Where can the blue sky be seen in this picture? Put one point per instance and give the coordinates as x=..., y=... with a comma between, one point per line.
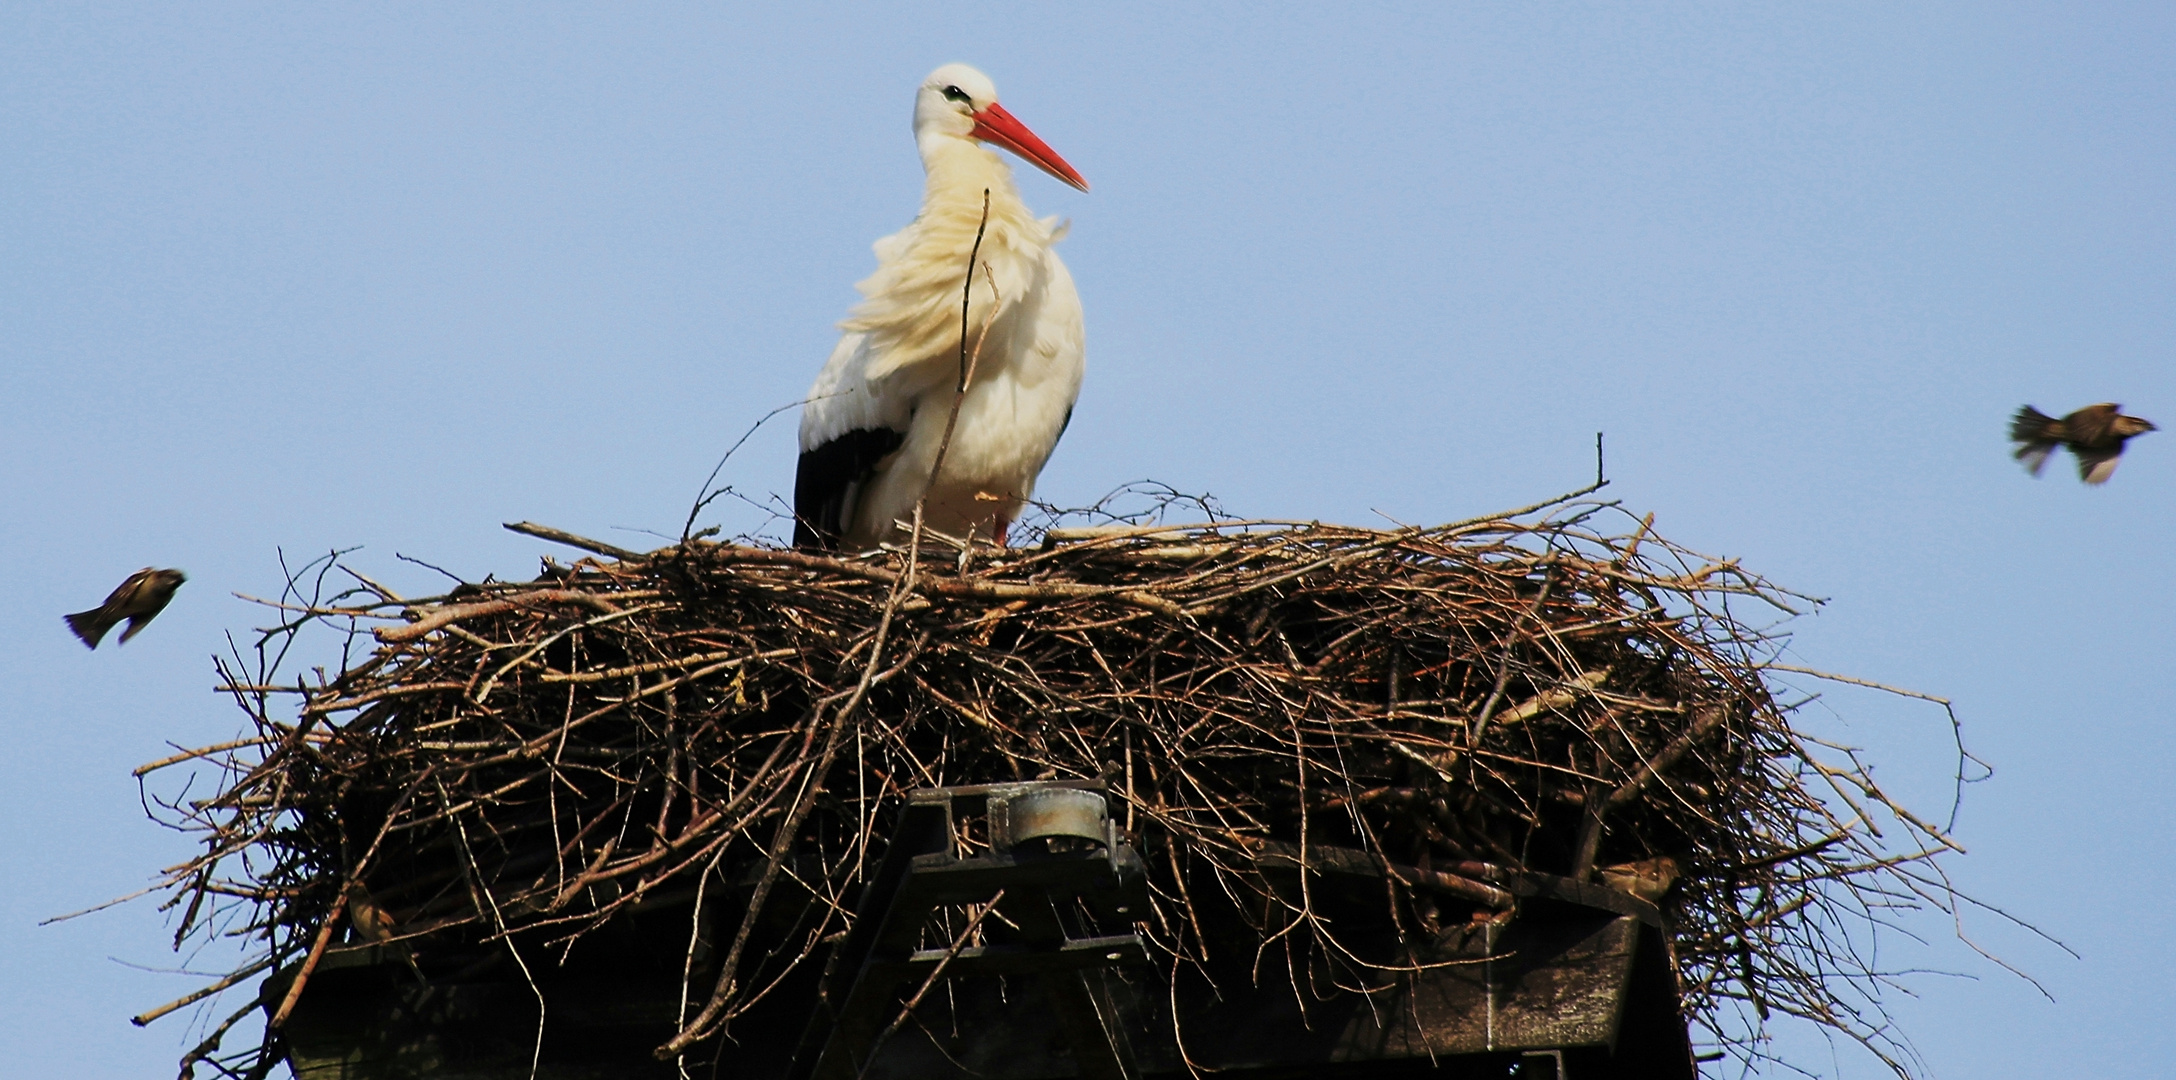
x=388, y=275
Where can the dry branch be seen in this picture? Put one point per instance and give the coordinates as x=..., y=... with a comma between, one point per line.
x=1524, y=692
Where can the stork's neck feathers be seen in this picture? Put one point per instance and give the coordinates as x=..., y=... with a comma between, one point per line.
x=912, y=306
x=959, y=168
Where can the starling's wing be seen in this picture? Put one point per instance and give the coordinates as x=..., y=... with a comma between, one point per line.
x=2035, y=455
x=91, y=626
x=2096, y=465
x=141, y=599
x=2094, y=425
x=126, y=597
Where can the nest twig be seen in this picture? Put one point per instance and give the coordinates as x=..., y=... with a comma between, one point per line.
x=532, y=761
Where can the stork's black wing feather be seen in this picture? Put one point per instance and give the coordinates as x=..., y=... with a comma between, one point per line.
x=828, y=478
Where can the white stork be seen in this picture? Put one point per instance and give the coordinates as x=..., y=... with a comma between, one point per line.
x=877, y=414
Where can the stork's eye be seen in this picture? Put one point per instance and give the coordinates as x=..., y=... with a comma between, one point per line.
x=954, y=93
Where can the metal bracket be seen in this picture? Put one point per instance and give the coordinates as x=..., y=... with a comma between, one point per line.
x=1053, y=850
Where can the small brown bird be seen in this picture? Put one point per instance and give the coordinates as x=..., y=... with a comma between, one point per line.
x=1648, y=879
x=139, y=599
x=370, y=921
x=2094, y=433
x=374, y=925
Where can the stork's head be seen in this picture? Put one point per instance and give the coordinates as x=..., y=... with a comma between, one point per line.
x=959, y=101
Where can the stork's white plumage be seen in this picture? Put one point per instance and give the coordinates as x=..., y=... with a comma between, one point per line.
x=876, y=416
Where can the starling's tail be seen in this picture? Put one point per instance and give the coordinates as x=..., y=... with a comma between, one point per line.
x=2036, y=434
x=89, y=626
x=2030, y=425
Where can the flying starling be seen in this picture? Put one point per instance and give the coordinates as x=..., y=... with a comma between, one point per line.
x=138, y=600
x=2094, y=433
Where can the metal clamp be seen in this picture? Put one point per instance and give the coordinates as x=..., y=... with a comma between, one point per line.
x=1053, y=849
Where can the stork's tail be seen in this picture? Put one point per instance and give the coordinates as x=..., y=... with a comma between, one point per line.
x=2037, y=434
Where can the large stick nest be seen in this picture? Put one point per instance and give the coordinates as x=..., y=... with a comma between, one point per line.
x=528, y=762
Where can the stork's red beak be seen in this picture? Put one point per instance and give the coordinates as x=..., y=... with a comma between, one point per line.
x=994, y=124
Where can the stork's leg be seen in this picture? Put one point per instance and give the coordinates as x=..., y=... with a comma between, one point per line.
x=999, y=538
